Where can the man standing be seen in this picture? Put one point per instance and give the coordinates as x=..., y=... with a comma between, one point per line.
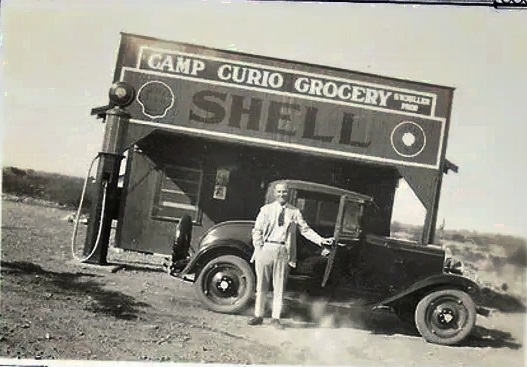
x=275, y=248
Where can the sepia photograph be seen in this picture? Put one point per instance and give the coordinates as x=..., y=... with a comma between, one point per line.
x=262, y=183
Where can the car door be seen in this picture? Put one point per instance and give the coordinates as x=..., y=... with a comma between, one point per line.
x=378, y=264
x=347, y=228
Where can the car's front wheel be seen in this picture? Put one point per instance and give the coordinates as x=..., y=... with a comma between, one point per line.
x=445, y=317
x=226, y=284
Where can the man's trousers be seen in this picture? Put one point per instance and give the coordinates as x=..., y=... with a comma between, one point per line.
x=271, y=263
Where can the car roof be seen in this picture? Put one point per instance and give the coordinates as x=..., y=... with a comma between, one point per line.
x=316, y=187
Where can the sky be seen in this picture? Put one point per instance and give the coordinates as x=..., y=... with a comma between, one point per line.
x=59, y=57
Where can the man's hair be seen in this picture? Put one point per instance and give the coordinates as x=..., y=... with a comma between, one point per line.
x=281, y=183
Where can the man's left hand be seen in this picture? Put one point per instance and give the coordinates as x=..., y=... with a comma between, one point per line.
x=328, y=241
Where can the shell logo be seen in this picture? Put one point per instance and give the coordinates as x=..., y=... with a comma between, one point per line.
x=408, y=139
x=156, y=99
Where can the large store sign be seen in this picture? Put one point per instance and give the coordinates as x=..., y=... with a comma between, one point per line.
x=286, y=81
x=275, y=103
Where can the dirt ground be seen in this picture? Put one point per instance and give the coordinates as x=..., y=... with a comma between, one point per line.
x=53, y=307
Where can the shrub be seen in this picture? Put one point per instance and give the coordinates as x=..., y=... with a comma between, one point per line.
x=518, y=257
x=62, y=189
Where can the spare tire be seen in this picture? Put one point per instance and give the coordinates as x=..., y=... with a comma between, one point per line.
x=183, y=236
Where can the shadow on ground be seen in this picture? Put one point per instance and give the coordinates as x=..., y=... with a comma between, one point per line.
x=483, y=337
x=81, y=285
x=385, y=323
x=500, y=301
x=361, y=318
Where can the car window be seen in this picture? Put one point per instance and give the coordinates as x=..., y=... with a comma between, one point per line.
x=318, y=209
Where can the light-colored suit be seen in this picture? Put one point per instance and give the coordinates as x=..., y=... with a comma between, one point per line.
x=272, y=259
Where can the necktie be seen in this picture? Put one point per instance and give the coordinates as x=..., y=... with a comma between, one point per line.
x=281, y=217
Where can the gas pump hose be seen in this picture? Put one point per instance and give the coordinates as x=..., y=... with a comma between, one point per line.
x=77, y=217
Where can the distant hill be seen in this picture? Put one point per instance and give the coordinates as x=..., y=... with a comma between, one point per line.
x=512, y=248
x=57, y=188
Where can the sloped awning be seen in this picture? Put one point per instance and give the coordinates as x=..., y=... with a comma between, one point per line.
x=449, y=166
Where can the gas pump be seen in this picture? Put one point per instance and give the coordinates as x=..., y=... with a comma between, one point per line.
x=104, y=195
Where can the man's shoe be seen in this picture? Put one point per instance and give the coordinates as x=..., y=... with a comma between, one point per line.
x=255, y=321
x=277, y=324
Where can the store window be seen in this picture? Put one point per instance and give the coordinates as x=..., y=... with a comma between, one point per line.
x=178, y=193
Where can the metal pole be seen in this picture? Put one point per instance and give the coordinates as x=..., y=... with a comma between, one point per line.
x=431, y=215
x=103, y=193
x=431, y=212
x=435, y=209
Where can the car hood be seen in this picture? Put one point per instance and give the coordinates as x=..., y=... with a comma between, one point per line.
x=406, y=244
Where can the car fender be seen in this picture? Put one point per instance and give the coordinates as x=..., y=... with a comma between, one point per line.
x=433, y=282
x=215, y=249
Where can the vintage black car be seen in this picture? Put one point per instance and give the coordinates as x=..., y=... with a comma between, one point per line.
x=416, y=281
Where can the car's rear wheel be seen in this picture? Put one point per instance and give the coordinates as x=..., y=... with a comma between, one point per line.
x=445, y=317
x=226, y=284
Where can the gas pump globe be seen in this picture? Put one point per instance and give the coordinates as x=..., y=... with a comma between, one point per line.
x=121, y=94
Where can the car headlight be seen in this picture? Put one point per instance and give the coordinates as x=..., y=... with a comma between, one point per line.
x=453, y=265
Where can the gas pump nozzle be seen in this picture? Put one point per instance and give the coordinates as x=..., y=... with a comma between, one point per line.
x=101, y=111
